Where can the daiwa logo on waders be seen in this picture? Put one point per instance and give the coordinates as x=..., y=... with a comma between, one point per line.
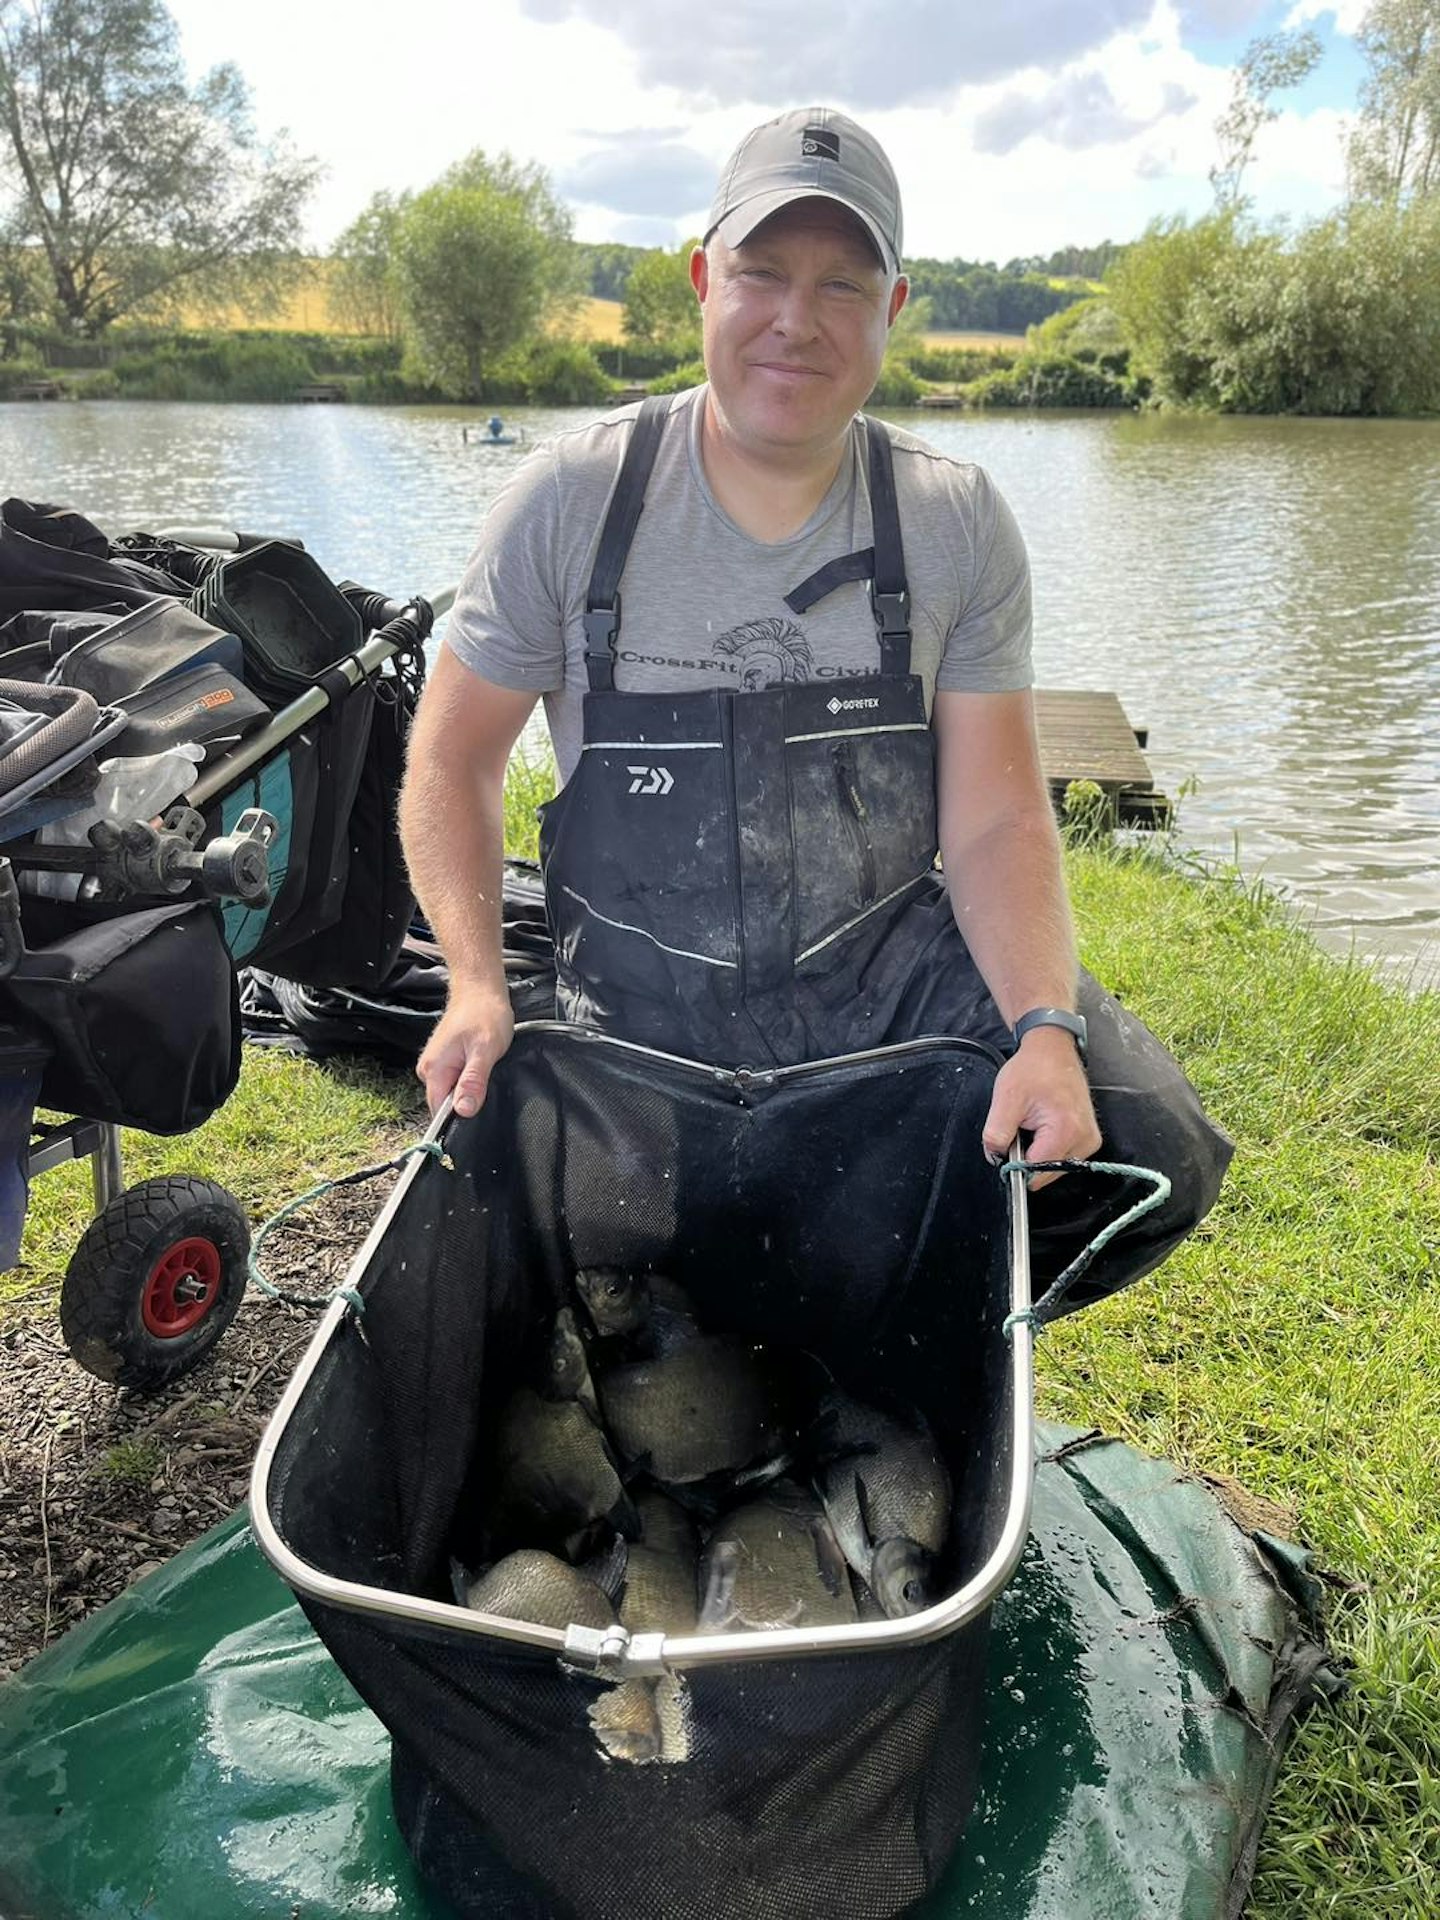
x=651, y=779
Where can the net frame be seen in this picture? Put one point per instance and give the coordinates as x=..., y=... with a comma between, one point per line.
x=618, y=1652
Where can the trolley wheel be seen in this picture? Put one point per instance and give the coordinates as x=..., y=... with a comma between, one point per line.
x=155, y=1281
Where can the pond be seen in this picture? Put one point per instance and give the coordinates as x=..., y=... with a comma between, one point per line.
x=1263, y=595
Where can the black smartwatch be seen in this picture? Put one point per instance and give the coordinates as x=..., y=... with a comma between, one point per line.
x=1073, y=1023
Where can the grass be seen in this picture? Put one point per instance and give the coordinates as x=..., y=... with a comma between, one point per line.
x=528, y=784
x=288, y=1124
x=1292, y=1344
x=132, y=1463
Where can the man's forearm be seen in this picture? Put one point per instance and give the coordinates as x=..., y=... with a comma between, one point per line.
x=452, y=830
x=1007, y=892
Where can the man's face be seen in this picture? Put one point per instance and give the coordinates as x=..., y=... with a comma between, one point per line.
x=795, y=322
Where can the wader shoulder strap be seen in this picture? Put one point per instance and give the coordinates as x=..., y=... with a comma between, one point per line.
x=883, y=565
x=602, y=601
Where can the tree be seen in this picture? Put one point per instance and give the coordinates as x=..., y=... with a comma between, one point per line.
x=660, y=305
x=606, y=266
x=482, y=259
x=1158, y=289
x=1342, y=317
x=131, y=182
x=363, y=292
x=1271, y=63
x=1394, y=151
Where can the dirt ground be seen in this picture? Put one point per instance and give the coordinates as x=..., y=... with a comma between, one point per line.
x=99, y=1486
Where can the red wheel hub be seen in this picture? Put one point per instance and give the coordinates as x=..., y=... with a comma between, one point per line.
x=184, y=1284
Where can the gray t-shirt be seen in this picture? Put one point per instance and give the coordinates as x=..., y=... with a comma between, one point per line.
x=703, y=604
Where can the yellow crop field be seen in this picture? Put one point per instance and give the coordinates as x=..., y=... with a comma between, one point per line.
x=305, y=310
x=599, y=320
x=976, y=342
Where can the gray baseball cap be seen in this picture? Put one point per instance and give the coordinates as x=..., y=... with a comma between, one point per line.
x=810, y=152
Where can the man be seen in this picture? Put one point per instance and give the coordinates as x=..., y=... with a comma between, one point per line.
x=819, y=668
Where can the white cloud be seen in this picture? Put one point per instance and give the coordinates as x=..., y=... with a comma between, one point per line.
x=391, y=109
x=1347, y=16
x=632, y=174
x=873, y=54
x=1076, y=112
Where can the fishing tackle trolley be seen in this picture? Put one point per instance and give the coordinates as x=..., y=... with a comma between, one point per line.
x=118, y=993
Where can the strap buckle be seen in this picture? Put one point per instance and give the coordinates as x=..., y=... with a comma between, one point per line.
x=601, y=626
x=892, y=612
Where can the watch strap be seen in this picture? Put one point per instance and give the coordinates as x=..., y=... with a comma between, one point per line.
x=1073, y=1023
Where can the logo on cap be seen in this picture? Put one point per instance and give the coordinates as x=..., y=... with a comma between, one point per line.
x=820, y=143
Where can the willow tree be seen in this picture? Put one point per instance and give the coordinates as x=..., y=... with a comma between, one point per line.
x=660, y=305
x=132, y=183
x=1394, y=151
x=364, y=290
x=1268, y=66
x=482, y=261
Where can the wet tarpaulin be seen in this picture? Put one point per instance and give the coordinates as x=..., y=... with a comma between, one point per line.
x=192, y=1749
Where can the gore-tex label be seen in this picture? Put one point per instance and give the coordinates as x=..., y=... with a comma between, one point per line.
x=837, y=705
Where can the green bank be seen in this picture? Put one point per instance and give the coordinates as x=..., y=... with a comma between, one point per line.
x=1292, y=1346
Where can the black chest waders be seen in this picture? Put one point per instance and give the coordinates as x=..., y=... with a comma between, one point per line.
x=747, y=878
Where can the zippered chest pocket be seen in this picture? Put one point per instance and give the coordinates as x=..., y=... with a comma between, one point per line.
x=862, y=819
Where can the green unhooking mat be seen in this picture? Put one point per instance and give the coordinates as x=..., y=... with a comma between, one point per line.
x=193, y=1751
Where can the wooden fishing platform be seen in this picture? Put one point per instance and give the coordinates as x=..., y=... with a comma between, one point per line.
x=1088, y=736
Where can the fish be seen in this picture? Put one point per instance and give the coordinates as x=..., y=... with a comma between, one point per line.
x=648, y=1313
x=553, y=1474
x=660, y=1569
x=710, y=1406
x=671, y=1321
x=567, y=1367
x=615, y=1299
x=541, y=1589
x=774, y=1562
x=537, y=1587
x=626, y=1720
x=887, y=1492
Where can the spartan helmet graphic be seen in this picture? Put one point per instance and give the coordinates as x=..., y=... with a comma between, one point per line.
x=768, y=652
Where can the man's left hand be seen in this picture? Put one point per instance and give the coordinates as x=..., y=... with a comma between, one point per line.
x=1042, y=1091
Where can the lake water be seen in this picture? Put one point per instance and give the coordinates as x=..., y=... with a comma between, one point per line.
x=1264, y=595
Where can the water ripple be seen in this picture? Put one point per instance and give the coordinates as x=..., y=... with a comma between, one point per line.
x=1262, y=594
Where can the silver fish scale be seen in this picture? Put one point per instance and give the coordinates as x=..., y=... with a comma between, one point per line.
x=706, y=1408
x=535, y=1586
x=906, y=1483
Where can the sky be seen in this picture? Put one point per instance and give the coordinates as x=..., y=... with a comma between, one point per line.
x=1016, y=126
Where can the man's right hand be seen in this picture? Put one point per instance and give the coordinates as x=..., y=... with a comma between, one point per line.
x=475, y=1029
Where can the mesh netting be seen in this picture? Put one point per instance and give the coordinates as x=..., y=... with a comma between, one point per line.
x=844, y=1209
